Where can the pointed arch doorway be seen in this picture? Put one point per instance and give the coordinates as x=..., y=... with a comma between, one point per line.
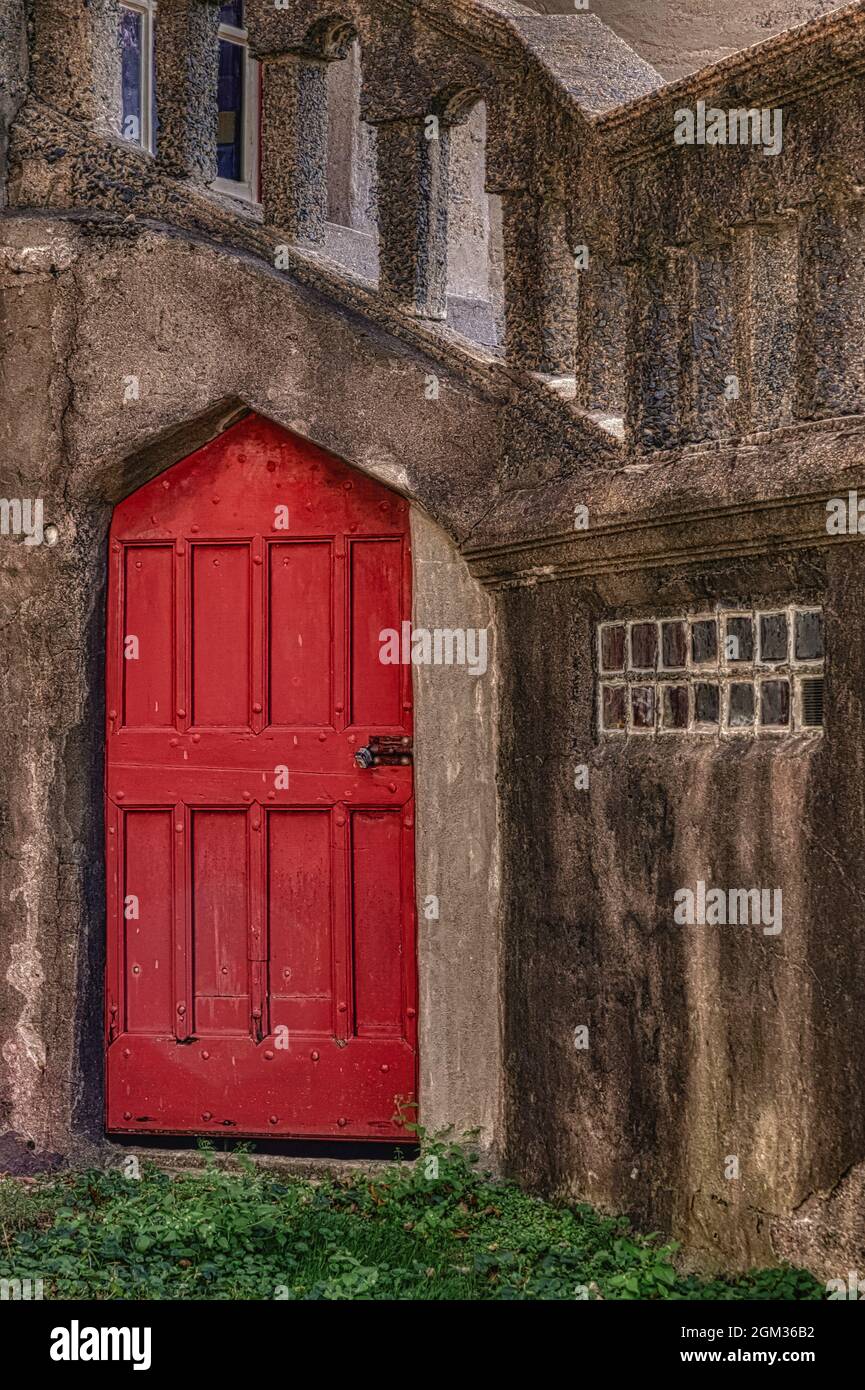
x=261, y=971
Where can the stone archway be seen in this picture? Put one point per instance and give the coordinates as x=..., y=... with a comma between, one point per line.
x=192, y=328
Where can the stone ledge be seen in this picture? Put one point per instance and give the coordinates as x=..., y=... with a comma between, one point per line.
x=729, y=502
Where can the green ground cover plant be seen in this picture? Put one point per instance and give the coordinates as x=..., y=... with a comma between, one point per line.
x=439, y=1228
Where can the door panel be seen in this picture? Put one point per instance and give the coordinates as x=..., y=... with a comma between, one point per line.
x=147, y=921
x=220, y=921
x=375, y=590
x=300, y=634
x=376, y=925
x=220, y=623
x=261, y=927
x=300, y=901
x=149, y=604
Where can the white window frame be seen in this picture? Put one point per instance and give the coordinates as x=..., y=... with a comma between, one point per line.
x=246, y=188
x=147, y=10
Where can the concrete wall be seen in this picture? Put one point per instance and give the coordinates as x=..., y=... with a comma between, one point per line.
x=704, y=1042
x=456, y=729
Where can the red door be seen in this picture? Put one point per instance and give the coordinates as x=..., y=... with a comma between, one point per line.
x=261, y=921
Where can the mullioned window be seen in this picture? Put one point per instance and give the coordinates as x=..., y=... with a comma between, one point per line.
x=728, y=672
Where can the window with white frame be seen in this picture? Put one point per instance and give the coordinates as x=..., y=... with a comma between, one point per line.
x=237, y=129
x=138, y=118
x=237, y=93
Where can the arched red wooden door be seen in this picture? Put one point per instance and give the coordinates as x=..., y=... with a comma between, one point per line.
x=261, y=921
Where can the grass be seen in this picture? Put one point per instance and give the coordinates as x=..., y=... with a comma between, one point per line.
x=438, y=1229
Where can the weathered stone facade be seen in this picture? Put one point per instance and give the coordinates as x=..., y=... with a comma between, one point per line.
x=694, y=393
x=681, y=36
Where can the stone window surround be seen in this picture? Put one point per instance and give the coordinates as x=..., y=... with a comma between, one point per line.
x=247, y=189
x=721, y=671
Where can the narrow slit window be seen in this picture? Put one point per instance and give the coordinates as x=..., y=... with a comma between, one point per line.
x=131, y=76
x=229, y=138
x=137, y=92
x=237, y=101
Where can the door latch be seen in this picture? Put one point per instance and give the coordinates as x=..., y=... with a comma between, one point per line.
x=385, y=750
